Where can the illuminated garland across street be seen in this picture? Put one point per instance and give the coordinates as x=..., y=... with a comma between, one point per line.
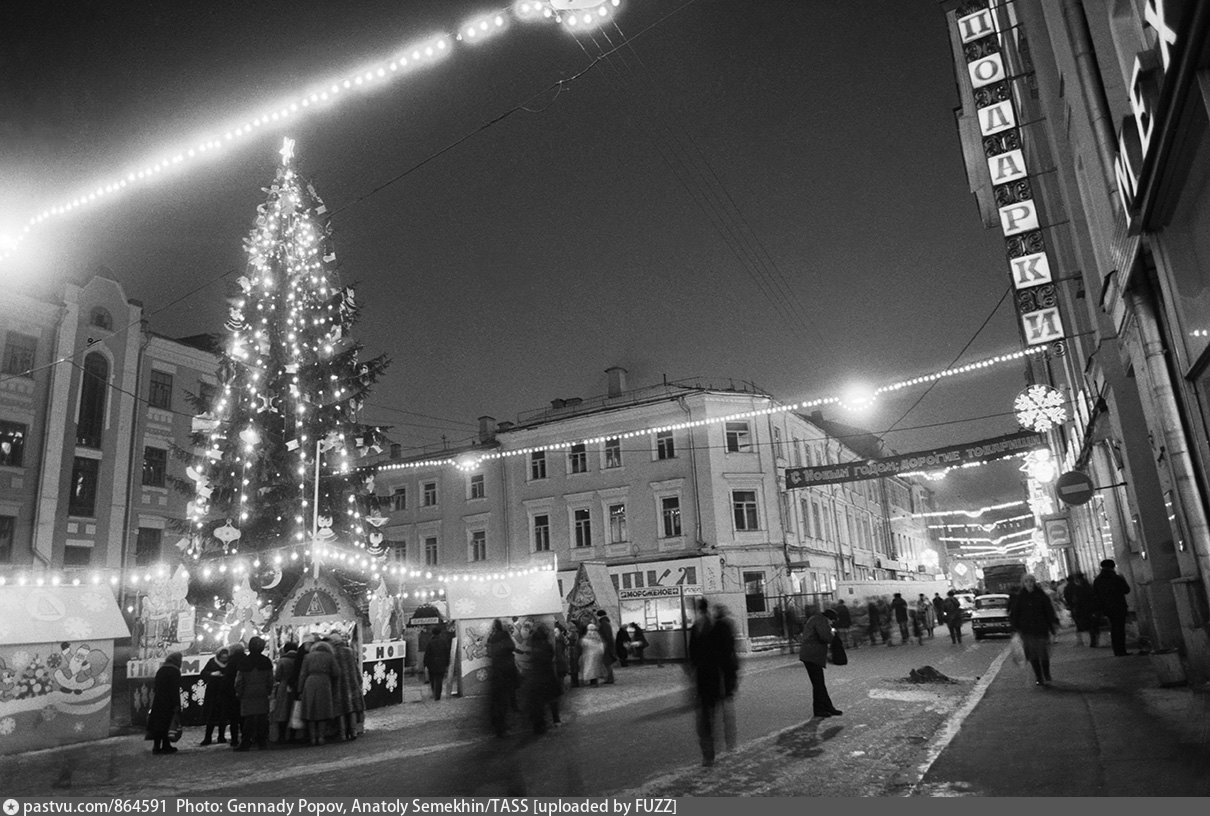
x=473, y=462
x=573, y=15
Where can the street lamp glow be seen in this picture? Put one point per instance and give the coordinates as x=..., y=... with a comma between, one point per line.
x=858, y=398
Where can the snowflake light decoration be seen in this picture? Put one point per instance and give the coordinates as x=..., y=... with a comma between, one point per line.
x=77, y=628
x=1039, y=408
x=365, y=682
x=392, y=680
x=7, y=726
x=380, y=671
x=1039, y=466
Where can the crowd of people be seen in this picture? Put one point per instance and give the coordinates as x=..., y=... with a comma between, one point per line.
x=310, y=695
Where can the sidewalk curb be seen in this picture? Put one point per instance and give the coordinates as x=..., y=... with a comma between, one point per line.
x=953, y=723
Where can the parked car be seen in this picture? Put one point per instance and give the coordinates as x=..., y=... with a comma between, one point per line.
x=966, y=600
x=990, y=616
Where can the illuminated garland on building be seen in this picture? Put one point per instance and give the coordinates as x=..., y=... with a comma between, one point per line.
x=469, y=462
x=574, y=15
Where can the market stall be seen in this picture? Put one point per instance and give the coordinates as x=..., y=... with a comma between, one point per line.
x=56, y=664
x=522, y=601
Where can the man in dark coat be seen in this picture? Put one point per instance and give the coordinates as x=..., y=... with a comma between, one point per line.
x=844, y=621
x=254, y=687
x=817, y=636
x=1111, y=590
x=938, y=607
x=953, y=616
x=165, y=704
x=900, y=608
x=605, y=628
x=709, y=661
x=1082, y=603
x=437, y=659
x=230, y=700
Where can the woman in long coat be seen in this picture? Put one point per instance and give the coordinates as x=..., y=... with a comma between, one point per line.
x=317, y=682
x=592, y=656
x=1033, y=617
x=214, y=706
x=283, y=690
x=350, y=700
x=229, y=700
x=165, y=704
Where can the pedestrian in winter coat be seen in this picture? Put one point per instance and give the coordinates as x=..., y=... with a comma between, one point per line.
x=817, y=637
x=541, y=686
x=254, y=687
x=592, y=656
x=638, y=642
x=214, y=706
x=503, y=679
x=715, y=674
x=1033, y=617
x=228, y=697
x=437, y=659
x=607, y=640
x=953, y=616
x=900, y=608
x=844, y=621
x=938, y=608
x=1111, y=590
x=349, y=699
x=928, y=618
x=1082, y=603
x=873, y=622
x=317, y=682
x=165, y=704
x=562, y=657
x=574, y=635
x=621, y=646
x=284, y=691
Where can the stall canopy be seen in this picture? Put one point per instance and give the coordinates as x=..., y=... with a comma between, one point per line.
x=427, y=615
x=593, y=589
x=56, y=664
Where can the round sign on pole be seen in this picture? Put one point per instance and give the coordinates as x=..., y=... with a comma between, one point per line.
x=1074, y=487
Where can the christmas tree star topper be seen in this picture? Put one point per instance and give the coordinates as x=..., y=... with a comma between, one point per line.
x=287, y=150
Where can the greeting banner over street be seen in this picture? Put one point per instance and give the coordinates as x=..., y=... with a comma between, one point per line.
x=952, y=456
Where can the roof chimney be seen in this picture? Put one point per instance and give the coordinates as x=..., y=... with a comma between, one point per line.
x=487, y=430
x=617, y=380
x=557, y=403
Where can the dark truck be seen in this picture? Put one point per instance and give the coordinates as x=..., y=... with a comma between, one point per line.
x=1002, y=578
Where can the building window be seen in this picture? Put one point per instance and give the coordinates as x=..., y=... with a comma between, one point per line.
x=155, y=467
x=100, y=318
x=805, y=505
x=665, y=448
x=577, y=459
x=19, y=353
x=582, y=523
x=743, y=502
x=396, y=450
x=817, y=524
x=400, y=549
x=617, y=523
x=399, y=499
x=12, y=444
x=754, y=591
x=430, y=551
x=93, y=383
x=479, y=545
x=82, y=500
x=430, y=494
x=74, y=556
x=477, y=491
x=778, y=451
x=160, y=395
x=147, y=546
x=738, y=437
x=613, y=453
x=542, y=533
x=8, y=529
x=537, y=465
x=670, y=513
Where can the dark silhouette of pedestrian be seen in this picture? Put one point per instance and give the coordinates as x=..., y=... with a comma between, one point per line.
x=254, y=688
x=541, y=687
x=214, y=704
x=900, y=608
x=1033, y=617
x=605, y=628
x=844, y=621
x=621, y=646
x=953, y=616
x=574, y=635
x=638, y=642
x=817, y=634
x=229, y=699
x=503, y=676
x=437, y=659
x=165, y=704
x=1082, y=603
x=715, y=674
x=1111, y=590
x=938, y=608
x=874, y=621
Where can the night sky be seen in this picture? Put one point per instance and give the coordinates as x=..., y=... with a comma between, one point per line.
x=769, y=191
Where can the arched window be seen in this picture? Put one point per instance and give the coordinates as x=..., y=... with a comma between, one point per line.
x=101, y=318
x=91, y=424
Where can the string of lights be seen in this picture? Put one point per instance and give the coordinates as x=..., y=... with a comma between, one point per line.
x=407, y=59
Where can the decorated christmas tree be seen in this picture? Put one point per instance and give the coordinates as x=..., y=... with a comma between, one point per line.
x=280, y=438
